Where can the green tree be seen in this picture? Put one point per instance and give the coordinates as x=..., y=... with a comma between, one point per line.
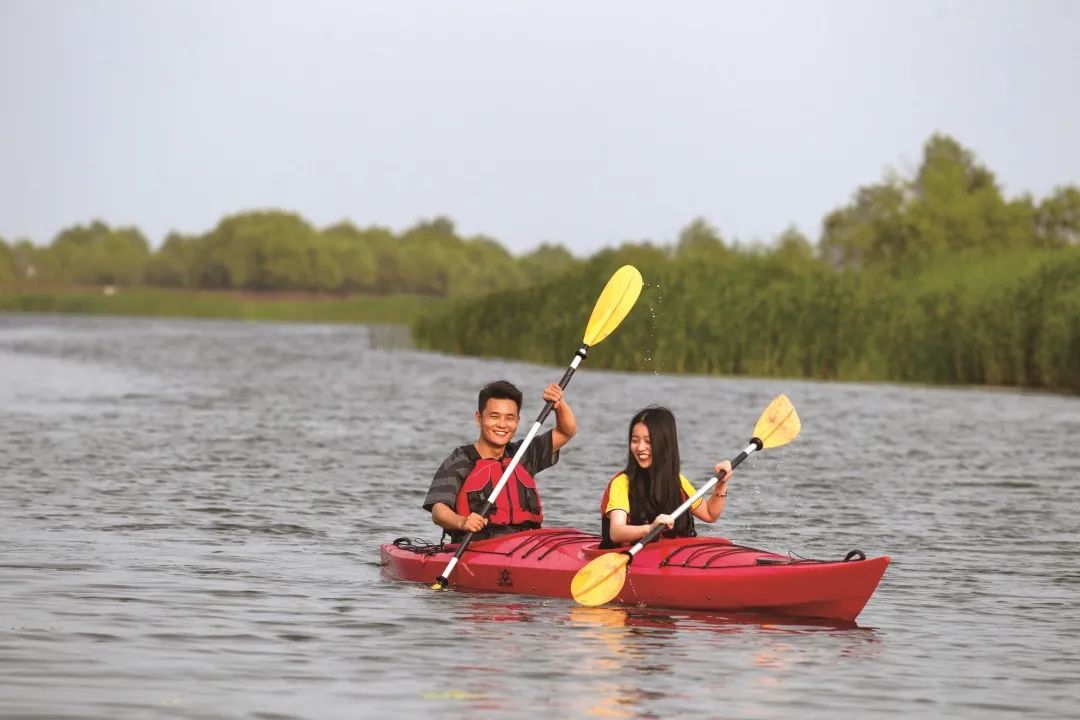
x=173, y=265
x=431, y=255
x=9, y=271
x=268, y=250
x=97, y=254
x=952, y=206
x=872, y=232
x=356, y=254
x=485, y=267
x=1058, y=218
x=27, y=257
x=643, y=254
x=699, y=240
x=794, y=248
x=545, y=263
x=959, y=208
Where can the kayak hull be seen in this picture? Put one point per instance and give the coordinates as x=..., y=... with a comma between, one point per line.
x=702, y=573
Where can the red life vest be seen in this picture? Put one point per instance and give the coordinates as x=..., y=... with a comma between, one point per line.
x=518, y=503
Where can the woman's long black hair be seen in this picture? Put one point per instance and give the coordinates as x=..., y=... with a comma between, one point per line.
x=657, y=489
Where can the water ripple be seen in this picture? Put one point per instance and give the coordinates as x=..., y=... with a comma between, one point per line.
x=192, y=513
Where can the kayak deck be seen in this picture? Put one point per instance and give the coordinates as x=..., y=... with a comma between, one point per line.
x=701, y=573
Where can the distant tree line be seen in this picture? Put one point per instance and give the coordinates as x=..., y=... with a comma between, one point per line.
x=933, y=278
x=936, y=278
x=278, y=251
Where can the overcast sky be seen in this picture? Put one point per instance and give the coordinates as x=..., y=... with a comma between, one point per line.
x=584, y=123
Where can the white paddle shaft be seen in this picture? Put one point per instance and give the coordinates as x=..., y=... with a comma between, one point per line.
x=752, y=447
x=443, y=579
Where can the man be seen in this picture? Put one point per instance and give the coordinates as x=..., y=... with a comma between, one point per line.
x=467, y=476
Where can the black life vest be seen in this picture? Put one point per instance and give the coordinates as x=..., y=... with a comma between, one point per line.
x=605, y=521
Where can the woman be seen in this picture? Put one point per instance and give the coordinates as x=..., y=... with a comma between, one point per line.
x=642, y=496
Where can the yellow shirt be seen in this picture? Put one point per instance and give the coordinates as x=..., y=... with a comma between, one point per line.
x=619, y=494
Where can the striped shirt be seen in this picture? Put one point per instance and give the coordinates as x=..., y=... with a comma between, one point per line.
x=456, y=467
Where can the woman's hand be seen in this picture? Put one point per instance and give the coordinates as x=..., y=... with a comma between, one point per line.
x=723, y=471
x=662, y=519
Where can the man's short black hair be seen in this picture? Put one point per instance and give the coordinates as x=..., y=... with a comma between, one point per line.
x=501, y=390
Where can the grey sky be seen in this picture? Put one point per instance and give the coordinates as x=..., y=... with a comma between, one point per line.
x=585, y=123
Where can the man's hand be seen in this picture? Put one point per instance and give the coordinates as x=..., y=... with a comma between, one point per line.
x=473, y=523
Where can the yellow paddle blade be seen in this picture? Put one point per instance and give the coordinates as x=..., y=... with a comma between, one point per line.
x=601, y=580
x=619, y=295
x=779, y=424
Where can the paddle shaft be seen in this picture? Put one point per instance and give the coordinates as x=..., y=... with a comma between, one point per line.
x=753, y=447
x=580, y=355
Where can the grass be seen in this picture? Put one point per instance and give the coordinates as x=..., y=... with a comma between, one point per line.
x=298, y=307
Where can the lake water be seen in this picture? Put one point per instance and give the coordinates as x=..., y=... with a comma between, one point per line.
x=191, y=512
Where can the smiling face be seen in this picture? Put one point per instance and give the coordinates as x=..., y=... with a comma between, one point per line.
x=641, y=445
x=654, y=444
x=498, y=422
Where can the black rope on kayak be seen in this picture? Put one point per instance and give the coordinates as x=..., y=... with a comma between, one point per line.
x=567, y=540
x=418, y=546
x=722, y=554
x=554, y=540
x=534, y=538
x=704, y=554
x=702, y=548
x=713, y=553
x=532, y=543
x=694, y=551
x=797, y=559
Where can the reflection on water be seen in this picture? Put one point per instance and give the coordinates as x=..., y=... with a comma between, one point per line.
x=190, y=515
x=614, y=650
x=620, y=643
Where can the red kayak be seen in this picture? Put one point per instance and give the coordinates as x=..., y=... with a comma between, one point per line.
x=701, y=573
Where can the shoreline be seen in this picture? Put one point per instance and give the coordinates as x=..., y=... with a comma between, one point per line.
x=222, y=304
x=374, y=310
